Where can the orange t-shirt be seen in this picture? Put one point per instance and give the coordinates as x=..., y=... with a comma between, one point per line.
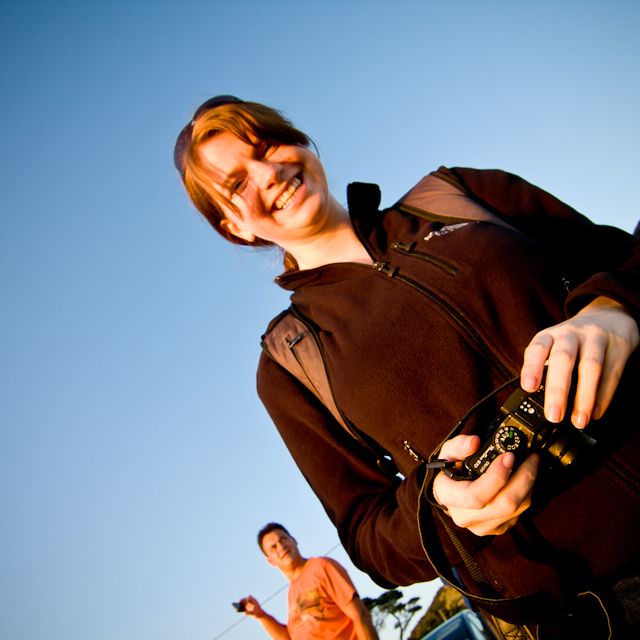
x=316, y=600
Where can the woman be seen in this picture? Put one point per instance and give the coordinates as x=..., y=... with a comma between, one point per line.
x=419, y=320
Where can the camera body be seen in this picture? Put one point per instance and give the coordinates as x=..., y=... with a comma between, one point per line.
x=520, y=427
x=239, y=607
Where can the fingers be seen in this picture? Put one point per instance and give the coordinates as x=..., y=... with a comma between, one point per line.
x=535, y=358
x=593, y=388
x=459, y=448
x=561, y=361
x=600, y=338
x=476, y=494
x=499, y=526
x=559, y=350
x=609, y=379
x=492, y=503
x=611, y=369
x=598, y=341
x=251, y=606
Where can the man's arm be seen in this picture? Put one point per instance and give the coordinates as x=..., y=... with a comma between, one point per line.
x=274, y=628
x=361, y=618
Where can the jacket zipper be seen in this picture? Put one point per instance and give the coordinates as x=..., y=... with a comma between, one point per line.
x=412, y=452
x=623, y=473
x=392, y=272
x=408, y=250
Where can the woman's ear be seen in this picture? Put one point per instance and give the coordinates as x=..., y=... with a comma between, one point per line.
x=236, y=230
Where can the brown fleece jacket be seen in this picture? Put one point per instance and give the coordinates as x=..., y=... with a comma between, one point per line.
x=412, y=342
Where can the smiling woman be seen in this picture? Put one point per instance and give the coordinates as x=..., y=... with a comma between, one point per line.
x=252, y=175
x=277, y=193
x=247, y=122
x=421, y=311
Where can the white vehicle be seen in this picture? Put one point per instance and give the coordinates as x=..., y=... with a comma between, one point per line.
x=465, y=625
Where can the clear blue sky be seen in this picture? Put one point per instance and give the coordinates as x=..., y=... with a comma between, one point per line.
x=136, y=462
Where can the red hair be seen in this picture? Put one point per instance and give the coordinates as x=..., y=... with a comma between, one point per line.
x=251, y=122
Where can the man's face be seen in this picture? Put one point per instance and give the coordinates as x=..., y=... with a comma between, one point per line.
x=280, y=548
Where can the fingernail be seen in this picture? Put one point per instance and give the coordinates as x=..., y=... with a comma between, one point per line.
x=580, y=420
x=471, y=442
x=508, y=460
x=597, y=413
x=553, y=413
x=529, y=383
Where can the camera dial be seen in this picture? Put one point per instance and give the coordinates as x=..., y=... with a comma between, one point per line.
x=520, y=428
x=508, y=439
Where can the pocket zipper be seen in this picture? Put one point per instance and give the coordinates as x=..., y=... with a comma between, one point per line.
x=407, y=249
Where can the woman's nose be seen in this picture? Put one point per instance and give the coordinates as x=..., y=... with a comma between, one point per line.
x=266, y=174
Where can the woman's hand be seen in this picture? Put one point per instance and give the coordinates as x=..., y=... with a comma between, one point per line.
x=493, y=503
x=600, y=338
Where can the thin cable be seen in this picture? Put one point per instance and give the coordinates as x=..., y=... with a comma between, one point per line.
x=271, y=597
x=233, y=626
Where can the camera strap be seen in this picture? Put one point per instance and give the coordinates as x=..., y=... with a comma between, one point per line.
x=463, y=421
x=519, y=610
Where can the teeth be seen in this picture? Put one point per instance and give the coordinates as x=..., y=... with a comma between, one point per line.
x=285, y=198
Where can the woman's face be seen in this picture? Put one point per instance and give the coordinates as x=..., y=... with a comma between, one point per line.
x=280, y=192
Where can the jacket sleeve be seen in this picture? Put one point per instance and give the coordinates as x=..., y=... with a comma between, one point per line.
x=375, y=513
x=605, y=259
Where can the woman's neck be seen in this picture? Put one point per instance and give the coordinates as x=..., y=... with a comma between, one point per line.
x=338, y=242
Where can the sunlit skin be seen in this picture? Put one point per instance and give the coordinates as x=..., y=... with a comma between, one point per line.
x=600, y=339
x=281, y=551
x=312, y=225
x=316, y=230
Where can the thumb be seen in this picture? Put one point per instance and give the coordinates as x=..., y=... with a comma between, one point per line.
x=460, y=447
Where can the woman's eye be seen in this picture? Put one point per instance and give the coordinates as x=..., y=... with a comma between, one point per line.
x=268, y=149
x=238, y=186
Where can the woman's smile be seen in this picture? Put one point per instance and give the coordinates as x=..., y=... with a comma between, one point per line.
x=277, y=193
x=285, y=199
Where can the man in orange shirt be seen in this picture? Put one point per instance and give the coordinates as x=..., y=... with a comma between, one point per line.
x=323, y=603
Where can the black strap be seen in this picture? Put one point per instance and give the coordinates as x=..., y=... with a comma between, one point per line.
x=527, y=609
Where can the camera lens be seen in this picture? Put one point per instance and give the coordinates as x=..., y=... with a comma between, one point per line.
x=567, y=444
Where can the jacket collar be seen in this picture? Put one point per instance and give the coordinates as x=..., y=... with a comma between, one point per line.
x=363, y=200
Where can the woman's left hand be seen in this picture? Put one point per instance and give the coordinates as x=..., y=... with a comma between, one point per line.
x=491, y=504
x=600, y=338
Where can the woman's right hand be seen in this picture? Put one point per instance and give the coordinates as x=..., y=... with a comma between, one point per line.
x=491, y=504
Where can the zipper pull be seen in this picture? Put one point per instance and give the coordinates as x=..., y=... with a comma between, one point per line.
x=294, y=342
x=409, y=449
x=382, y=267
x=399, y=246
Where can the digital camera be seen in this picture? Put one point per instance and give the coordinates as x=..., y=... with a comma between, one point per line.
x=520, y=427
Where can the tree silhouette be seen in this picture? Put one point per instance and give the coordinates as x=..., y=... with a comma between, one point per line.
x=389, y=603
x=445, y=605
